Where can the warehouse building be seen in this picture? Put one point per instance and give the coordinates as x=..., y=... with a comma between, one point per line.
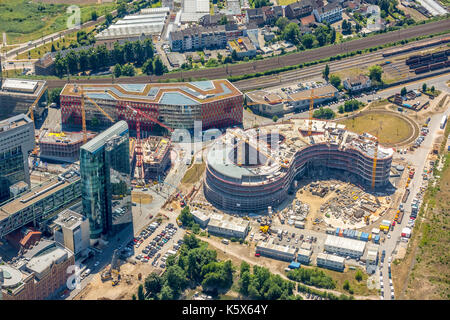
x=227, y=226
x=217, y=103
x=304, y=256
x=345, y=246
x=330, y=261
x=135, y=27
x=275, y=251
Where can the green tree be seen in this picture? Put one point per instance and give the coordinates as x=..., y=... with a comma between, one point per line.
x=158, y=66
x=176, y=278
x=53, y=96
x=121, y=9
x=223, y=20
x=108, y=19
x=432, y=89
x=281, y=23
x=308, y=40
x=244, y=283
x=141, y=295
x=404, y=91
x=148, y=49
x=195, y=228
x=324, y=113
x=292, y=33
x=186, y=218
x=375, y=73
x=94, y=16
x=166, y=293
x=147, y=67
x=335, y=80
x=326, y=72
x=346, y=285
x=275, y=118
x=133, y=297
x=128, y=70
x=117, y=70
x=234, y=55
x=341, y=109
x=153, y=284
x=359, y=275
x=244, y=267
x=424, y=87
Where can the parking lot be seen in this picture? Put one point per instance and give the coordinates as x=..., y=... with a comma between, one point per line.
x=166, y=242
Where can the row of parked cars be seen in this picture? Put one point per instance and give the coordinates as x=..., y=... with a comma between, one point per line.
x=156, y=245
x=145, y=234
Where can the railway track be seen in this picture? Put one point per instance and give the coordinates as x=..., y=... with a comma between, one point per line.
x=281, y=61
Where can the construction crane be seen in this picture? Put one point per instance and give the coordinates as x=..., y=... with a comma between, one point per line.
x=138, y=148
x=31, y=113
x=311, y=99
x=83, y=117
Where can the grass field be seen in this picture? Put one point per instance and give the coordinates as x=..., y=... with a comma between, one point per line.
x=194, y=173
x=25, y=20
x=389, y=129
x=285, y=2
x=359, y=287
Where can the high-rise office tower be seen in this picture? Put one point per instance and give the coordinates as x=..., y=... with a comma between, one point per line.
x=16, y=141
x=105, y=181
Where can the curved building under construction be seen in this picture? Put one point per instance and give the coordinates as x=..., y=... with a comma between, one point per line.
x=253, y=169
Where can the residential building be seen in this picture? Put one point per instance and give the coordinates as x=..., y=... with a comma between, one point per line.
x=40, y=203
x=358, y=83
x=330, y=261
x=243, y=47
x=345, y=246
x=211, y=20
x=105, y=177
x=255, y=16
x=71, y=230
x=198, y=38
x=272, y=13
x=330, y=13
x=300, y=9
x=233, y=31
x=227, y=226
x=38, y=274
x=16, y=142
x=275, y=251
x=308, y=20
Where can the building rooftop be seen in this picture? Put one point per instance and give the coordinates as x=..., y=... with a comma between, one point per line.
x=69, y=219
x=319, y=91
x=64, y=137
x=228, y=222
x=14, y=122
x=32, y=88
x=275, y=247
x=92, y=146
x=185, y=93
x=11, y=277
x=154, y=148
x=38, y=193
x=345, y=243
x=331, y=257
x=264, y=97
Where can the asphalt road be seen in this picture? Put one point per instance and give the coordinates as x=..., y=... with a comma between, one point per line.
x=277, y=62
x=418, y=159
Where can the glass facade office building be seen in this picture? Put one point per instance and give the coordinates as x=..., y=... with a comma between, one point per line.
x=105, y=181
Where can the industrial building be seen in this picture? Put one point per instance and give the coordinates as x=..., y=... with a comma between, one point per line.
x=330, y=261
x=16, y=142
x=38, y=273
x=275, y=251
x=135, y=27
x=227, y=226
x=217, y=103
x=40, y=203
x=18, y=95
x=62, y=146
x=300, y=101
x=155, y=156
x=345, y=246
x=71, y=230
x=304, y=256
x=105, y=177
x=253, y=169
x=193, y=10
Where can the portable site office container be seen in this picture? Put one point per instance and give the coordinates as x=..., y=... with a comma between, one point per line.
x=337, y=231
x=376, y=239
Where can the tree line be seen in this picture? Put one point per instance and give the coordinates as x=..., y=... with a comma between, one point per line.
x=195, y=265
x=139, y=53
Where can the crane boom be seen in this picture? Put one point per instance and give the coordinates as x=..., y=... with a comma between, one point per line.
x=135, y=111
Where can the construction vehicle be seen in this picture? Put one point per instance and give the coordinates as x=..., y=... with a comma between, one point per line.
x=112, y=273
x=264, y=228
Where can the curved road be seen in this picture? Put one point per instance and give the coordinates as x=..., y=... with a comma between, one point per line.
x=277, y=62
